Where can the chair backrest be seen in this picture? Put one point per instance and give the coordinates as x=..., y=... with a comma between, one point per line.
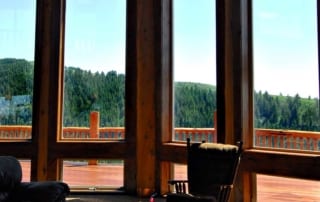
x=211, y=165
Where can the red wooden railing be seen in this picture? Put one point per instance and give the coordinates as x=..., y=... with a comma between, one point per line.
x=269, y=138
x=15, y=132
x=287, y=139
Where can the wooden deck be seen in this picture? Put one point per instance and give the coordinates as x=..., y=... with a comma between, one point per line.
x=270, y=188
x=278, y=189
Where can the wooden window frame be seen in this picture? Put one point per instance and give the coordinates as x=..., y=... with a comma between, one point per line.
x=235, y=106
x=236, y=52
x=148, y=145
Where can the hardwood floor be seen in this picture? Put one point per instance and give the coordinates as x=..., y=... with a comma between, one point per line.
x=276, y=189
x=269, y=189
x=108, y=198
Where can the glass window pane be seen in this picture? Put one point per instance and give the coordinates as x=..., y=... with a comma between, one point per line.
x=17, y=42
x=286, y=74
x=194, y=63
x=97, y=174
x=94, y=76
x=26, y=169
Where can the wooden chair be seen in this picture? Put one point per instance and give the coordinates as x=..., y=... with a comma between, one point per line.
x=212, y=168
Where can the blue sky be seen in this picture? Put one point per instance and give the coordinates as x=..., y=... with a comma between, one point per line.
x=17, y=24
x=285, y=46
x=285, y=40
x=95, y=34
x=194, y=41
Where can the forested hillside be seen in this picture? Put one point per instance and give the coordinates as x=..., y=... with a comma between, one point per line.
x=16, y=77
x=86, y=91
x=194, y=103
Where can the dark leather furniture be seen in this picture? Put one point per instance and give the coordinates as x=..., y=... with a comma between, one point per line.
x=13, y=190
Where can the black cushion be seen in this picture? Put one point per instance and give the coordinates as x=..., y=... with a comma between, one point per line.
x=10, y=176
x=4, y=196
x=10, y=173
x=48, y=191
x=13, y=190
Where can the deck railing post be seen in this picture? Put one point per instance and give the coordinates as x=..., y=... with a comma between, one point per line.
x=94, y=124
x=94, y=131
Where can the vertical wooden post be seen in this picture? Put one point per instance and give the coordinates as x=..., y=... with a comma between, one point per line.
x=48, y=87
x=94, y=124
x=94, y=131
x=140, y=163
x=234, y=79
x=148, y=94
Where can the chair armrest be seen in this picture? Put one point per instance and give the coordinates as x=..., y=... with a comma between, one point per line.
x=180, y=186
x=223, y=191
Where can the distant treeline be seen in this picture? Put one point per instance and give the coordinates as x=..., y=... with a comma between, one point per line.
x=286, y=112
x=194, y=103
